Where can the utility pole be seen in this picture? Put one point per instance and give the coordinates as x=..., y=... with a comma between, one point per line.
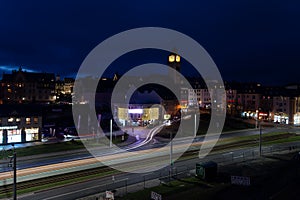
x=256, y=122
x=260, y=150
x=195, y=126
x=110, y=135
x=171, y=154
x=15, y=174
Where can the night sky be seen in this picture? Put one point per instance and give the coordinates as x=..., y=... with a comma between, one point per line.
x=249, y=40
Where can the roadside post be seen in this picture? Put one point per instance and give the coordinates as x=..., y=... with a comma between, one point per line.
x=13, y=164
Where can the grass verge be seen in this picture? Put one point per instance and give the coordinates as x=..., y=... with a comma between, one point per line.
x=188, y=188
x=47, y=148
x=55, y=147
x=56, y=184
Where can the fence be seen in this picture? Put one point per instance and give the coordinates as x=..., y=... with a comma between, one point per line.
x=184, y=169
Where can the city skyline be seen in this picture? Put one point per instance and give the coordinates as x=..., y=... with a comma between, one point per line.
x=259, y=38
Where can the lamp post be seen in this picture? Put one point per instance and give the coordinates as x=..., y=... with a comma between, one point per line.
x=256, y=124
x=13, y=163
x=171, y=154
x=260, y=140
x=15, y=175
x=110, y=134
x=195, y=125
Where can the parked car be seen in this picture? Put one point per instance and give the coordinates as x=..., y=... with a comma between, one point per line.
x=70, y=131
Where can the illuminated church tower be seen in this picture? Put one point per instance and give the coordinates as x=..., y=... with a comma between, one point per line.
x=174, y=62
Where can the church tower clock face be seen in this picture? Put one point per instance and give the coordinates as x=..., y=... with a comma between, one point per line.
x=174, y=62
x=177, y=58
x=171, y=58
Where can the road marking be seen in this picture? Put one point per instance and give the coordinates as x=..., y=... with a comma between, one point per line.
x=61, y=195
x=241, y=156
x=229, y=153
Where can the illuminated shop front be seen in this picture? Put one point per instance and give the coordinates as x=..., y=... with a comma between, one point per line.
x=143, y=109
x=10, y=134
x=249, y=114
x=297, y=119
x=256, y=115
x=19, y=124
x=263, y=116
x=138, y=115
x=32, y=134
x=281, y=118
x=16, y=134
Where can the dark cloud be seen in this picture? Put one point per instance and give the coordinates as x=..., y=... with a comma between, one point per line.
x=247, y=39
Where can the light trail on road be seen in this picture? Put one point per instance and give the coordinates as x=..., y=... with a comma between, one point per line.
x=149, y=137
x=116, y=158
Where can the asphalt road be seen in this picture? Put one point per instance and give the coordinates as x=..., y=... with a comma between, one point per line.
x=95, y=186
x=120, y=181
x=46, y=160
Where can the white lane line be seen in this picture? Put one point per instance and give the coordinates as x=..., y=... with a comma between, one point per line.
x=61, y=195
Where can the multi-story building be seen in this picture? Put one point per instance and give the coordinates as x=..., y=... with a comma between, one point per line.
x=246, y=99
x=203, y=98
x=277, y=104
x=68, y=85
x=296, y=111
x=250, y=101
x=21, y=86
x=64, y=90
x=193, y=97
x=266, y=108
x=231, y=99
x=59, y=86
x=281, y=109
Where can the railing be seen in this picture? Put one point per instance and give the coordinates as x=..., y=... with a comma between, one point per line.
x=181, y=170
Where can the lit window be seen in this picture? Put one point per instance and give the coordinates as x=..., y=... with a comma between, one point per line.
x=9, y=90
x=35, y=120
x=11, y=119
x=27, y=120
x=18, y=119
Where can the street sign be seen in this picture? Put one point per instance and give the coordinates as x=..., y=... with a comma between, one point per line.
x=109, y=195
x=156, y=196
x=240, y=180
